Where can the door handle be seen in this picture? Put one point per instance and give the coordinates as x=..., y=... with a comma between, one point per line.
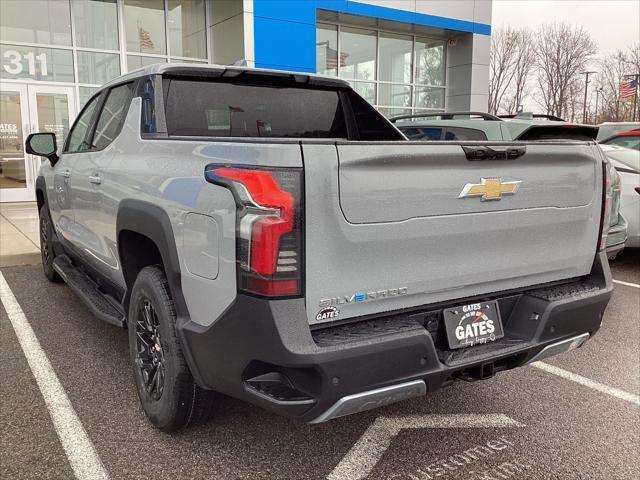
x=95, y=179
x=482, y=152
x=65, y=174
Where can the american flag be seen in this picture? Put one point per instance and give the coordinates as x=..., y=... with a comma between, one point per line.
x=144, y=38
x=628, y=89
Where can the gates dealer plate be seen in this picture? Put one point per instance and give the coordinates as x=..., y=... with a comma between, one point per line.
x=473, y=324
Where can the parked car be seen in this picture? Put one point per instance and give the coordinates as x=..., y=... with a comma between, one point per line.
x=477, y=126
x=627, y=139
x=448, y=126
x=627, y=164
x=609, y=129
x=271, y=236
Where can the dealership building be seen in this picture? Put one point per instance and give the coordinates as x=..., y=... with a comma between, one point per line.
x=403, y=56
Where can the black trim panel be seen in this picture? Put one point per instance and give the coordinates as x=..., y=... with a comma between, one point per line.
x=257, y=337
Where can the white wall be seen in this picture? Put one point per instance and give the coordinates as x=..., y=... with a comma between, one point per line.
x=469, y=10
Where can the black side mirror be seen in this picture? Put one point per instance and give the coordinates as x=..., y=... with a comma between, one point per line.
x=44, y=145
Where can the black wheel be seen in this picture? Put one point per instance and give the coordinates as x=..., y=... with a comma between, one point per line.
x=169, y=396
x=46, y=245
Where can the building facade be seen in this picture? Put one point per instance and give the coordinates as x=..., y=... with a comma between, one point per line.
x=403, y=56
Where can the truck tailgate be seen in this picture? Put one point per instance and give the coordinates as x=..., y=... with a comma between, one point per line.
x=389, y=225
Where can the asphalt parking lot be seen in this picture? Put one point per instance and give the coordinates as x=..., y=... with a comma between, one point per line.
x=529, y=423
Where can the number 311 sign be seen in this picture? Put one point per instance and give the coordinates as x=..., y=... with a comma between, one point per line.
x=13, y=63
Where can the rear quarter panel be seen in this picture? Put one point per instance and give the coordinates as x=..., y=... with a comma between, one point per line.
x=170, y=174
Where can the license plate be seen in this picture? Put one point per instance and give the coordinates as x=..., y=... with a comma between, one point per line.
x=473, y=324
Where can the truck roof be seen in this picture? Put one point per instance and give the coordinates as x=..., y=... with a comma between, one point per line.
x=215, y=71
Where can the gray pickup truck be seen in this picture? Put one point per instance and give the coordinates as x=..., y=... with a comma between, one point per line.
x=271, y=236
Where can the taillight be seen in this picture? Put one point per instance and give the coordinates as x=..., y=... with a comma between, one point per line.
x=607, y=202
x=268, y=227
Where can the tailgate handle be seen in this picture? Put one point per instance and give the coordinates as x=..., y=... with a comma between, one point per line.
x=482, y=152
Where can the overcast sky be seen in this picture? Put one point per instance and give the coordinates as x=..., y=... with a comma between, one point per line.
x=613, y=24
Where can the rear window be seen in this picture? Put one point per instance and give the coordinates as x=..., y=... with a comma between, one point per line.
x=461, y=134
x=451, y=134
x=422, y=133
x=219, y=109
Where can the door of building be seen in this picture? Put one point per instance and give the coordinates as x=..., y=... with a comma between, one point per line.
x=25, y=109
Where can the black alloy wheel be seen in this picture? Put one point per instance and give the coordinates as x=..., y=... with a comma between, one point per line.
x=149, y=358
x=168, y=393
x=46, y=245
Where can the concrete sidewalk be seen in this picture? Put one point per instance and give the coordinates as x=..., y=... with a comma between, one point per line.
x=19, y=236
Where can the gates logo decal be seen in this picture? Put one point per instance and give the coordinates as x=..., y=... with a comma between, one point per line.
x=327, y=314
x=474, y=323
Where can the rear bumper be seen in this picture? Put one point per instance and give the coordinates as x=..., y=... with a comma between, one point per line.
x=264, y=352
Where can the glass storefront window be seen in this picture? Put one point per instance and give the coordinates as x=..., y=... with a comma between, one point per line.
x=97, y=68
x=394, y=95
x=358, y=51
x=327, y=50
x=395, y=58
x=53, y=114
x=136, y=61
x=398, y=73
x=12, y=174
x=96, y=23
x=429, y=61
x=36, y=63
x=187, y=29
x=429, y=97
x=85, y=93
x=35, y=21
x=367, y=90
x=394, y=112
x=144, y=26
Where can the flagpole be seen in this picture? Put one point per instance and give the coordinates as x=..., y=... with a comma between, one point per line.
x=636, y=77
x=635, y=98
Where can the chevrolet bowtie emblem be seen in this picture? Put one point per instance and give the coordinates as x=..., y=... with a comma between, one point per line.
x=490, y=189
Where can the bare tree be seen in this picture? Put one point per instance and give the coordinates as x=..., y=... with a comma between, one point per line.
x=525, y=59
x=612, y=70
x=562, y=52
x=573, y=100
x=501, y=65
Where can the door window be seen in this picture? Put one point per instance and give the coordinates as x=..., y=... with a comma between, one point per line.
x=77, y=140
x=53, y=114
x=112, y=116
x=12, y=166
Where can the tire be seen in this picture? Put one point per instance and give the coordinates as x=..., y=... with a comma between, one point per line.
x=169, y=396
x=46, y=245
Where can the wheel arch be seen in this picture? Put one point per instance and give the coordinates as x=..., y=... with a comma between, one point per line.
x=41, y=192
x=144, y=235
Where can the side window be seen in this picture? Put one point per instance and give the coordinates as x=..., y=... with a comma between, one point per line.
x=628, y=142
x=112, y=116
x=77, y=138
x=461, y=133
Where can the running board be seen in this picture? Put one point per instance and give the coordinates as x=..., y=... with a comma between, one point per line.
x=379, y=397
x=88, y=291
